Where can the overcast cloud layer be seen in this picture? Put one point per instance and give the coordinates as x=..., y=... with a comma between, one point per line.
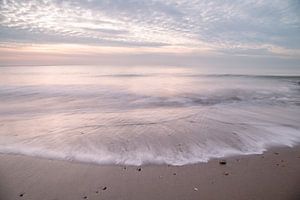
x=248, y=28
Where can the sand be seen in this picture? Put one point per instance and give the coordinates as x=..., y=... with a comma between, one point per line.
x=272, y=175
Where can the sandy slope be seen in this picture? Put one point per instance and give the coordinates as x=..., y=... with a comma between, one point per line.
x=274, y=175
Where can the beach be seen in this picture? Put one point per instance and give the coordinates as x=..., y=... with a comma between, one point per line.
x=271, y=175
x=149, y=100
x=123, y=133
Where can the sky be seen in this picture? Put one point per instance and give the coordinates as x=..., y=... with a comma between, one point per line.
x=150, y=32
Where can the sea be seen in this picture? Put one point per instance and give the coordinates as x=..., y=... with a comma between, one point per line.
x=137, y=115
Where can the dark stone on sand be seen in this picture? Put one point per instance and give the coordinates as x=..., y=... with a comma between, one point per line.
x=104, y=188
x=85, y=197
x=223, y=162
x=97, y=192
x=226, y=173
x=276, y=153
x=174, y=174
x=21, y=195
x=139, y=169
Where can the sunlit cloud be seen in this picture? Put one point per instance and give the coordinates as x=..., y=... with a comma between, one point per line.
x=245, y=28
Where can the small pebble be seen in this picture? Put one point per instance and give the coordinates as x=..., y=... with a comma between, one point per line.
x=226, y=173
x=276, y=153
x=222, y=162
x=85, y=197
x=139, y=169
x=104, y=188
x=195, y=189
x=174, y=174
x=21, y=195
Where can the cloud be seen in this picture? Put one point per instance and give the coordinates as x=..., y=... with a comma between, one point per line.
x=253, y=27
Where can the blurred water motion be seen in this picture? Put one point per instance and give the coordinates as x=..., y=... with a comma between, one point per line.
x=137, y=115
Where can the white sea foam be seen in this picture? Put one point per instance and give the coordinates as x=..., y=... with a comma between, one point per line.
x=133, y=118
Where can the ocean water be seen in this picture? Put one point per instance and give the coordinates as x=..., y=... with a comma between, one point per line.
x=146, y=115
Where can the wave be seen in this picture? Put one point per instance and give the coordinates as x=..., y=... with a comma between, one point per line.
x=137, y=75
x=136, y=140
x=247, y=75
x=134, y=118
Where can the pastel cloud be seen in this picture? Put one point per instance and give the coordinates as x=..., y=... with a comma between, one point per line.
x=254, y=27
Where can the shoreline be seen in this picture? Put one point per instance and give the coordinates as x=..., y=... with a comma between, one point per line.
x=271, y=175
x=95, y=163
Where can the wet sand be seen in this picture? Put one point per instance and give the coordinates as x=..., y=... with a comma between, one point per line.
x=272, y=175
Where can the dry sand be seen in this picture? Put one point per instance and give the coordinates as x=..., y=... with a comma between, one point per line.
x=273, y=175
